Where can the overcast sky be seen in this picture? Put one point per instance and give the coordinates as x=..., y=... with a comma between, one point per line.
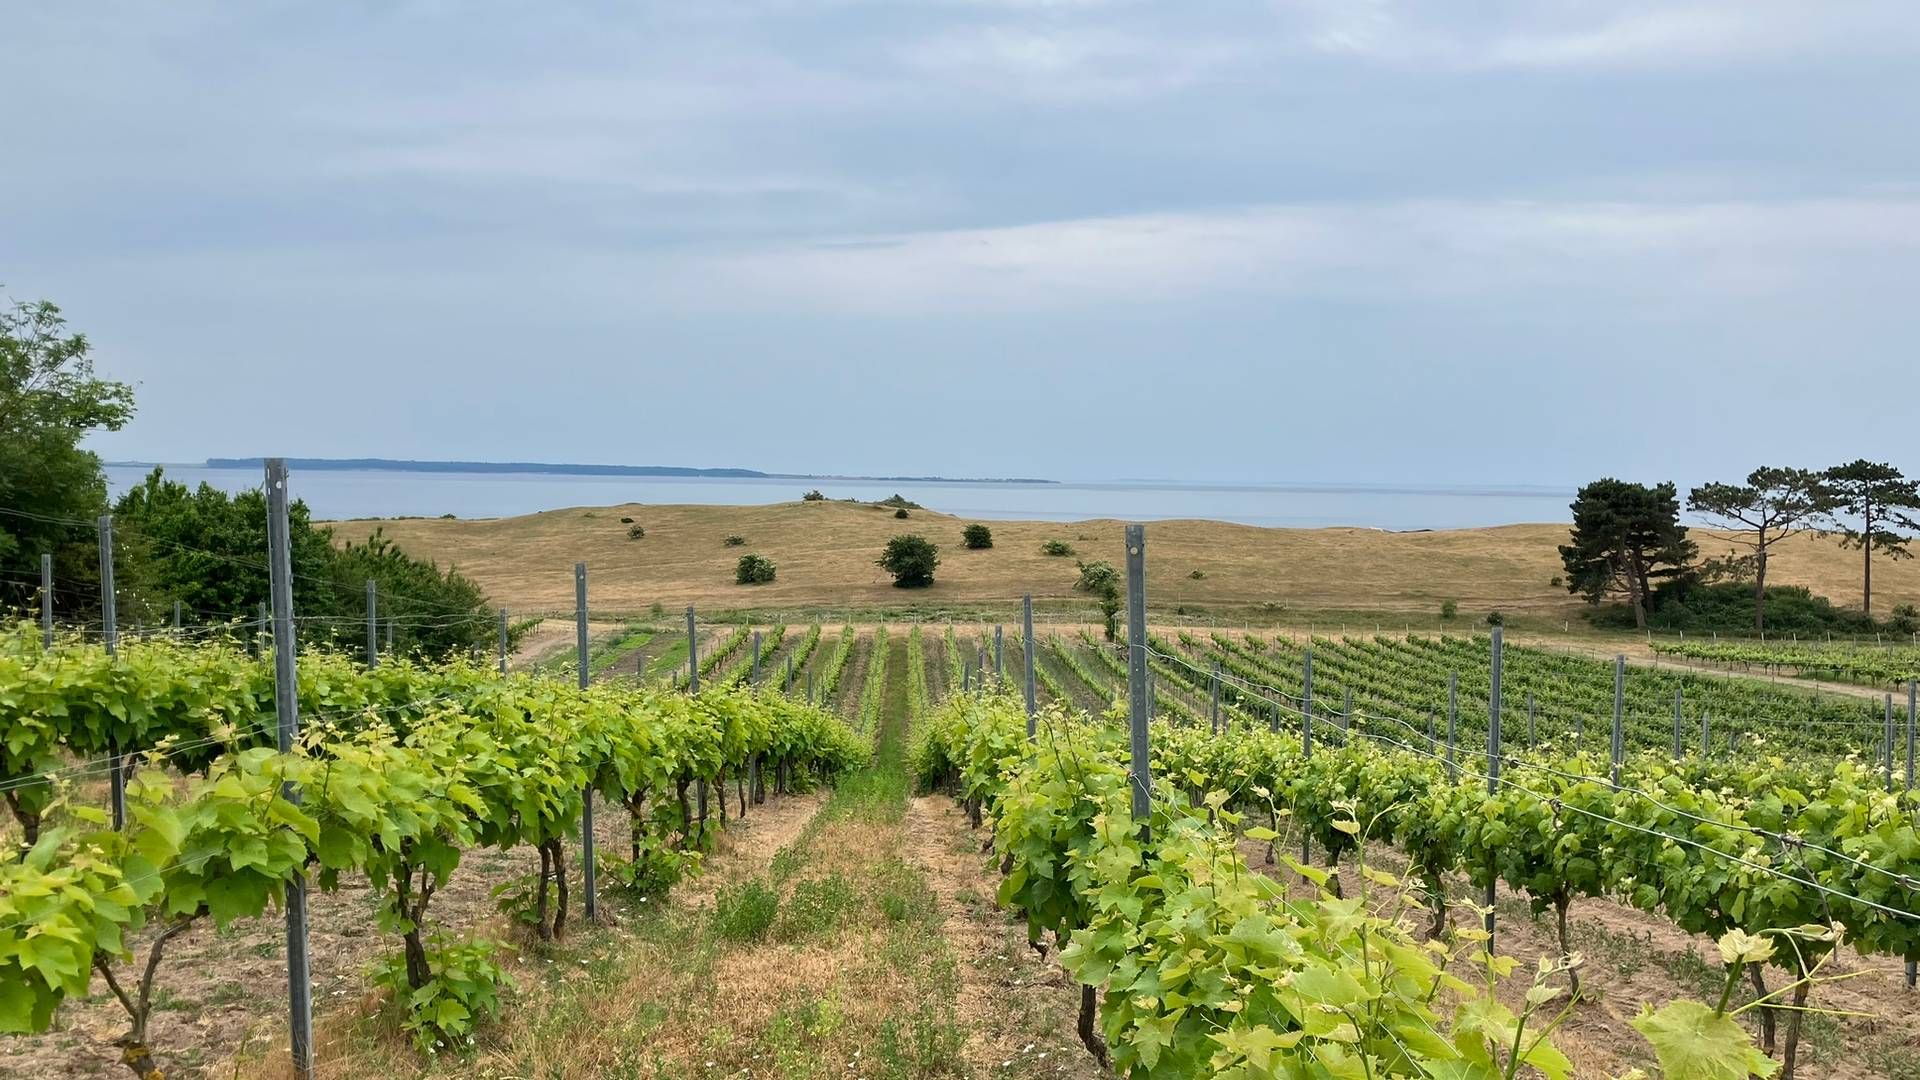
x=1323, y=240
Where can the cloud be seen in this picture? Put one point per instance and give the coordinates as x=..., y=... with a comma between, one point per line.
x=1603, y=33
x=1471, y=249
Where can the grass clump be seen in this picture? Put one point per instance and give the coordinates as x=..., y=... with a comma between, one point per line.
x=1058, y=549
x=745, y=912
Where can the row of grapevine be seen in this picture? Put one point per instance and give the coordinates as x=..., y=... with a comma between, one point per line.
x=400, y=771
x=1571, y=696
x=837, y=663
x=769, y=645
x=873, y=693
x=1845, y=663
x=1193, y=965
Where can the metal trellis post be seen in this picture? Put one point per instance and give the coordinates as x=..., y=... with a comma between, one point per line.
x=287, y=709
x=1498, y=653
x=1139, y=771
x=117, y=764
x=586, y=796
x=46, y=600
x=1026, y=653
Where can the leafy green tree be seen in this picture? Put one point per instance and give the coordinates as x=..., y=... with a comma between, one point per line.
x=1773, y=504
x=1882, y=501
x=1625, y=536
x=206, y=549
x=50, y=400
x=911, y=560
x=977, y=537
x=1103, y=581
x=754, y=570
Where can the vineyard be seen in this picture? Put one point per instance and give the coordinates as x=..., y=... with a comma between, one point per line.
x=1796, y=847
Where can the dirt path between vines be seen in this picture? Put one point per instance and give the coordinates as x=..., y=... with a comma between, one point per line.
x=1017, y=1008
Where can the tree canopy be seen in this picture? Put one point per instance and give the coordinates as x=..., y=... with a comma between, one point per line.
x=51, y=488
x=911, y=560
x=1625, y=537
x=1883, y=502
x=1773, y=504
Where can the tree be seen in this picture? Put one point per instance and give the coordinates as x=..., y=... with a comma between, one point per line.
x=1880, y=498
x=1773, y=504
x=1103, y=581
x=977, y=537
x=1624, y=536
x=753, y=570
x=911, y=561
x=50, y=401
x=206, y=549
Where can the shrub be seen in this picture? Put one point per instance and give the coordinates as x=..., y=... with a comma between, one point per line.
x=745, y=912
x=977, y=537
x=1554, y=581
x=734, y=540
x=753, y=570
x=900, y=513
x=813, y=496
x=911, y=560
x=1449, y=608
x=1059, y=549
x=1104, y=582
x=463, y=991
x=626, y=521
x=635, y=532
x=1494, y=618
x=901, y=501
x=1198, y=575
x=1905, y=620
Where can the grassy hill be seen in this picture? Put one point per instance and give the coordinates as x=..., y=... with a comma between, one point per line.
x=826, y=551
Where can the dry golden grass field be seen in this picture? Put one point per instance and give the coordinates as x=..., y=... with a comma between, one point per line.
x=825, y=552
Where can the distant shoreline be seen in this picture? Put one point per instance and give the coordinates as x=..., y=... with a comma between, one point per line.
x=565, y=469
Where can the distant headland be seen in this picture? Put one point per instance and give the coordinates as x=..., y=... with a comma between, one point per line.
x=569, y=469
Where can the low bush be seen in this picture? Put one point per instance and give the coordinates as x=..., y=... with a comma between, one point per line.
x=813, y=496
x=635, y=532
x=463, y=991
x=1449, y=608
x=1198, y=575
x=1728, y=606
x=1494, y=618
x=977, y=537
x=900, y=513
x=626, y=521
x=734, y=540
x=1058, y=549
x=754, y=570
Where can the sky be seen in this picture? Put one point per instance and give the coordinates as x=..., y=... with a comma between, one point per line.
x=1384, y=241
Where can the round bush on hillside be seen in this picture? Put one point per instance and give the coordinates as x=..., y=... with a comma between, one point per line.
x=911, y=560
x=1059, y=549
x=753, y=570
x=977, y=537
x=900, y=513
x=735, y=540
x=635, y=532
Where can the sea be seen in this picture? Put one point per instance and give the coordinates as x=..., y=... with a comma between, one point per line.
x=338, y=494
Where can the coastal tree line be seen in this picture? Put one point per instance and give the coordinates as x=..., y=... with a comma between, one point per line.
x=1628, y=541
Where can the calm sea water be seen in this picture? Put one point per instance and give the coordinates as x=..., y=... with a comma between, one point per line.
x=380, y=493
